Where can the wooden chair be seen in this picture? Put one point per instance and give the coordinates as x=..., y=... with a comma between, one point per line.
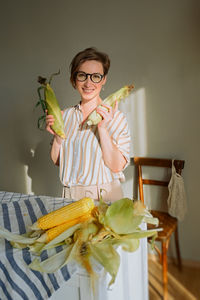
x=167, y=222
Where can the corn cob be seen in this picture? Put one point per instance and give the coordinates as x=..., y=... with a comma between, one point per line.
x=51, y=104
x=51, y=233
x=64, y=214
x=94, y=118
x=54, y=109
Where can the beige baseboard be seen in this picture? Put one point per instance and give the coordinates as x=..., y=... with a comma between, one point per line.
x=185, y=262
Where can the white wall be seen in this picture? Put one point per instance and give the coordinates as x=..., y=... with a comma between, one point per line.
x=154, y=44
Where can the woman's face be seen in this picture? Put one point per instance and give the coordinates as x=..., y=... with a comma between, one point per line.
x=88, y=89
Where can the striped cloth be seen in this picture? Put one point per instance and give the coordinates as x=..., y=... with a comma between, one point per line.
x=81, y=161
x=17, y=281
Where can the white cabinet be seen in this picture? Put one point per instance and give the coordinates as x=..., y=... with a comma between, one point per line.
x=131, y=282
x=69, y=290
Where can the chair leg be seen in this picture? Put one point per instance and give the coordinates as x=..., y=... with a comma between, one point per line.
x=178, y=249
x=164, y=265
x=159, y=253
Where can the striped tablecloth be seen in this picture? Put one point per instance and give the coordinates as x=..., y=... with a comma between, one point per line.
x=17, y=281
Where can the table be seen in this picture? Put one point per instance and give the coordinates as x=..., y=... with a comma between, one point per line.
x=17, y=281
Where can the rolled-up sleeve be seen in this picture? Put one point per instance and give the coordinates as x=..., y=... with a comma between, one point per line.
x=121, y=136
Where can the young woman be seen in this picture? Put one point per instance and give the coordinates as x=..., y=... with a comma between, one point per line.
x=92, y=158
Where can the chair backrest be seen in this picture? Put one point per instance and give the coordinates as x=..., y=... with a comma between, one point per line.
x=154, y=162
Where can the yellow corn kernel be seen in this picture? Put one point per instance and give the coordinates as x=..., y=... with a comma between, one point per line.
x=64, y=214
x=52, y=233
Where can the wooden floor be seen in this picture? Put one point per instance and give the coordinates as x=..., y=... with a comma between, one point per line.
x=184, y=285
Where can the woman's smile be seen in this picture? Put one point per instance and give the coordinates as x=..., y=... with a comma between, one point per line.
x=87, y=90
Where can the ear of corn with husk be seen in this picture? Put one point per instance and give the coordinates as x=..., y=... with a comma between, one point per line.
x=94, y=238
x=94, y=118
x=64, y=214
x=50, y=103
x=53, y=232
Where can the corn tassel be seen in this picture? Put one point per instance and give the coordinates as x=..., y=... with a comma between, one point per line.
x=94, y=118
x=51, y=233
x=51, y=104
x=64, y=214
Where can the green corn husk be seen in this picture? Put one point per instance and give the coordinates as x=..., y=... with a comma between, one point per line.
x=54, y=109
x=53, y=263
x=108, y=257
x=21, y=239
x=94, y=118
x=120, y=218
x=51, y=104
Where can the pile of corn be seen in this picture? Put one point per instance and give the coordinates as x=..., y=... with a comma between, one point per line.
x=86, y=231
x=63, y=218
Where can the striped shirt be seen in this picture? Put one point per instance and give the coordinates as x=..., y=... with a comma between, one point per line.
x=81, y=160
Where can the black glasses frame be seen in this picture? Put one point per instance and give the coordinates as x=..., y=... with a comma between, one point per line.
x=89, y=74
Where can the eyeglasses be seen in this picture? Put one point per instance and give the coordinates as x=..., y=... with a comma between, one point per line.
x=94, y=77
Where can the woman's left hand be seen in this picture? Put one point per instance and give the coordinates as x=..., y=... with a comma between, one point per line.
x=106, y=114
x=112, y=156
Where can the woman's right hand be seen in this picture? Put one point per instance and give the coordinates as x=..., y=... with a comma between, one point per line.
x=49, y=122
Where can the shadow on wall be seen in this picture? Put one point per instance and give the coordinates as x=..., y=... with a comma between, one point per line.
x=41, y=175
x=134, y=108
x=25, y=162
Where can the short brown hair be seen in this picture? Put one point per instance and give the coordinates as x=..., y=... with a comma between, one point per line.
x=85, y=55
